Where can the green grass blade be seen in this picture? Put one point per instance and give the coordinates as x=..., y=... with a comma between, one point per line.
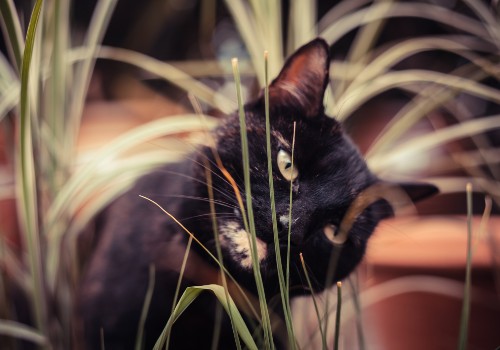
x=354, y=98
x=358, y=309
x=21, y=331
x=74, y=194
x=215, y=229
x=426, y=100
x=165, y=71
x=9, y=21
x=245, y=297
x=191, y=293
x=26, y=173
x=426, y=142
x=281, y=277
x=57, y=96
x=380, y=11
x=385, y=58
x=302, y=26
x=178, y=287
x=97, y=27
x=250, y=223
x=9, y=100
x=363, y=42
x=316, y=309
x=145, y=308
x=248, y=29
x=464, y=320
x=259, y=24
x=337, y=316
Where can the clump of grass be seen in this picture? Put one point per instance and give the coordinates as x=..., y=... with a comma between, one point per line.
x=56, y=197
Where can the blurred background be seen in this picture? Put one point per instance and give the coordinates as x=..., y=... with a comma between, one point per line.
x=114, y=89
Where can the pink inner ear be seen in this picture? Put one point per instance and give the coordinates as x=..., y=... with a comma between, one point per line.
x=302, y=81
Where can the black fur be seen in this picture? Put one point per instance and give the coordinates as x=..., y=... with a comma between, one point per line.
x=136, y=234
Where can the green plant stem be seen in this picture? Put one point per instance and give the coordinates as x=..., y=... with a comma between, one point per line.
x=464, y=321
x=358, y=310
x=97, y=26
x=11, y=26
x=215, y=229
x=285, y=300
x=337, y=316
x=178, y=288
x=28, y=180
x=250, y=223
x=145, y=307
x=318, y=315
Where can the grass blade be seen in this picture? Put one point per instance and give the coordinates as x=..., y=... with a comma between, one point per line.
x=178, y=287
x=423, y=143
x=354, y=98
x=381, y=11
x=464, y=321
x=145, y=307
x=26, y=172
x=208, y=176
x=191, y=293
x=250, y=223
x=165, y=71
x=285, y=300
x=11, y=26
x=97, y=26
x=21, y=331
x=318, y=315
x=337, y=316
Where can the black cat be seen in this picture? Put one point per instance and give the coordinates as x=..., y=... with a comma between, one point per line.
x=327, y=175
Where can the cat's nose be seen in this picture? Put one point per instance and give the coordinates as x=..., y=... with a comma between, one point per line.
x=296, y=236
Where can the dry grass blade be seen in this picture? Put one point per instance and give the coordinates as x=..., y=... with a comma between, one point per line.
x=165, y=71
x=380, y=11
x=353, y=99
x=420, y=144
x=464, y=320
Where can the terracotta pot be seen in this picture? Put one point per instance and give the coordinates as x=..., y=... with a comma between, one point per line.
x=414, y=274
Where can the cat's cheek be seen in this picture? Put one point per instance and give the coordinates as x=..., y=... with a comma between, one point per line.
x=236, y=242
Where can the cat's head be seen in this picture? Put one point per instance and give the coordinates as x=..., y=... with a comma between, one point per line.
x=327, y=175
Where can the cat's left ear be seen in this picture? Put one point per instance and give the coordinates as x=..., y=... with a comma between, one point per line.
x=303, y=79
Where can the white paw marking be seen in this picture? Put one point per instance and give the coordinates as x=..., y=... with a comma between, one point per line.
x=238, y=243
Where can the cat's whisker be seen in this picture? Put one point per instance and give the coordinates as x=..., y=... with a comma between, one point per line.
x=217, y=215
x=216, y=166
x=202, y=199
x=225, y=193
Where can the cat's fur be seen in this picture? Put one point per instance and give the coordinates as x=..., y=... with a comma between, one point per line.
x=135, y=233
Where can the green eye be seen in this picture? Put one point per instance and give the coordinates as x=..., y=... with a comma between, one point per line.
x=288, y=171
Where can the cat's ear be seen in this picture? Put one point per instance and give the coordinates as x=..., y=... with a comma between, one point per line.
x=415, y=191
x=302, y=82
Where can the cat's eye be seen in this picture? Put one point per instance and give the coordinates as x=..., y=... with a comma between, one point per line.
x=288, y=171
x=331, y=232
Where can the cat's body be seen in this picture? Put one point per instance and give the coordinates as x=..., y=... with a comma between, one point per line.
x=327, y=175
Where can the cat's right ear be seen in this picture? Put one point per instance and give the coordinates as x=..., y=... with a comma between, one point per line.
x=302, y=82
x=412, y=191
